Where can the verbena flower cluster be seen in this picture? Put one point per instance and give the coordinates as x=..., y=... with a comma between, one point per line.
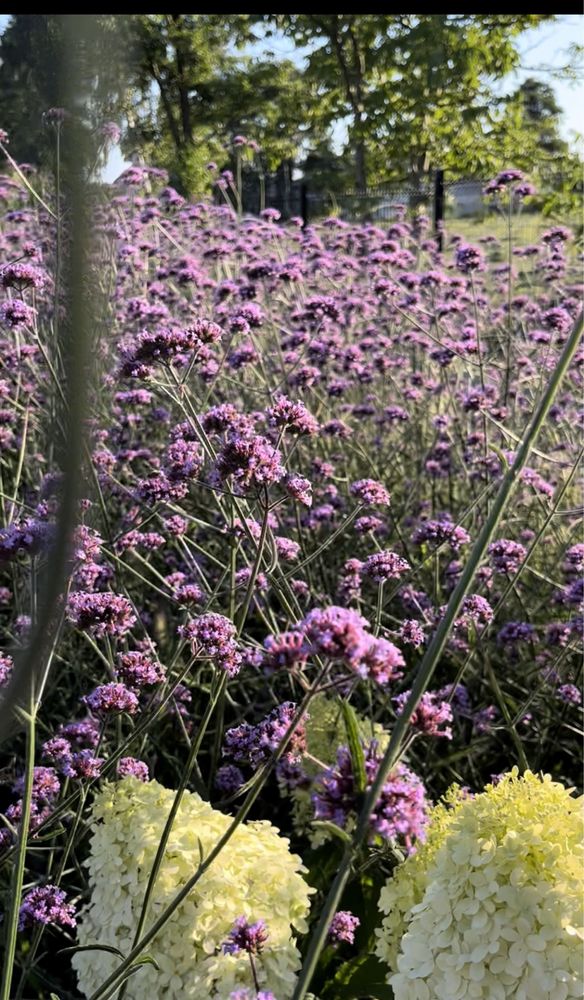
x=491, y=906
x=256, y=880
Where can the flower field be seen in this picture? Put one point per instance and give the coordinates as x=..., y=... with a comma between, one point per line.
x=324, y=563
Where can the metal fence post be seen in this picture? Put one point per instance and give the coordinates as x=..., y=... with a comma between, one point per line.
x=439, y=208
x=304, y=203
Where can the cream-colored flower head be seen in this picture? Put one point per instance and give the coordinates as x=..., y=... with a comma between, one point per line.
x=254, y=876
x=491, y=905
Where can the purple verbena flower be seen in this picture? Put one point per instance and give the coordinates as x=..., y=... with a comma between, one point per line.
x=131, y=767
x=246, y=937
x=342, y=927
x=371, y=492
x=108, y=699
x=46, y=905
x=385, y=565
x=213, y=636
x=431, y=715
x=100, y=614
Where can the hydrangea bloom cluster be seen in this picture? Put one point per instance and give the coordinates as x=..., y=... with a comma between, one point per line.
x=256, y=878
x=491, y=905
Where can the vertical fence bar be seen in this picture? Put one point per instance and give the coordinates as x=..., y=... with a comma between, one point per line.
x=439, y=208
x=304, y=203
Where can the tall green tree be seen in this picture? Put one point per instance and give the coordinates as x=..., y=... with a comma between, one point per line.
x=194, y=89
x=30, y=48
x=413, y=88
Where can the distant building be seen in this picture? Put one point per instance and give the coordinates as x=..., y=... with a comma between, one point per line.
x=465, y=198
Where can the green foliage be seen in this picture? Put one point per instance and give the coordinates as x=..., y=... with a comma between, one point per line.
x=415, y=89
x=193, y=92
x=30, y=78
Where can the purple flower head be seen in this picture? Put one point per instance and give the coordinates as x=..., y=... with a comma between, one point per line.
x=506, y=556
x=111, y=132
x=431, y=715
x=84, y=765
x=515, y=632
x=15, y=313
x=46, y=905
x=229, y=779
x=20, y=275
x=137, y=669
x=59, y=752
x=385, y=565
x=439, y=531
x=484, y=719
x=130, y=767
x=376, y=659
x=6, y=666
x=570, y=694
x=476, y=613
x=343, y=926
x=251, y=460
x=371, y=492
x=411, y=633
x=246, y=937
x=574, y=559
x=45, y=785
x=100, y=614
x=332, y=631
x=293, y=416
x=400, y=811
x=80, y=734
x=300, y=489
x=108, y=699
x=213, y=636
x=509, y=176
x=469, y=259
x=254, y=745
x=283, y=651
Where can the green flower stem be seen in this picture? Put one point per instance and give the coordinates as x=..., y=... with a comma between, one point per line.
x=18, y=871
x=432, y=658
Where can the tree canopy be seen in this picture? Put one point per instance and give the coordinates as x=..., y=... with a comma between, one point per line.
x=411, y=92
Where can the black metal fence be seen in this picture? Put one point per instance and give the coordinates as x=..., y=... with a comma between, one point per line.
x=452, y=205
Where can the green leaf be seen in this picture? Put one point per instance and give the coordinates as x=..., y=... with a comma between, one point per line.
x=355, y=746
x=360, y=978
x=91, y=947
x=145, y=960
x=337, y=831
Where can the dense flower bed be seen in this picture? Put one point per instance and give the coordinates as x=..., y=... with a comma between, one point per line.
x=294, y=437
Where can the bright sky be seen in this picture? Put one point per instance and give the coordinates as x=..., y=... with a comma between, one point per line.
x=542, y=48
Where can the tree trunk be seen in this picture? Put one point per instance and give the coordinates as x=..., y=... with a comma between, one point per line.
x=360, y=165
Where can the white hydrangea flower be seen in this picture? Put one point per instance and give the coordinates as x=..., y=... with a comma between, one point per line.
x=255, y=876
x=491, y=906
